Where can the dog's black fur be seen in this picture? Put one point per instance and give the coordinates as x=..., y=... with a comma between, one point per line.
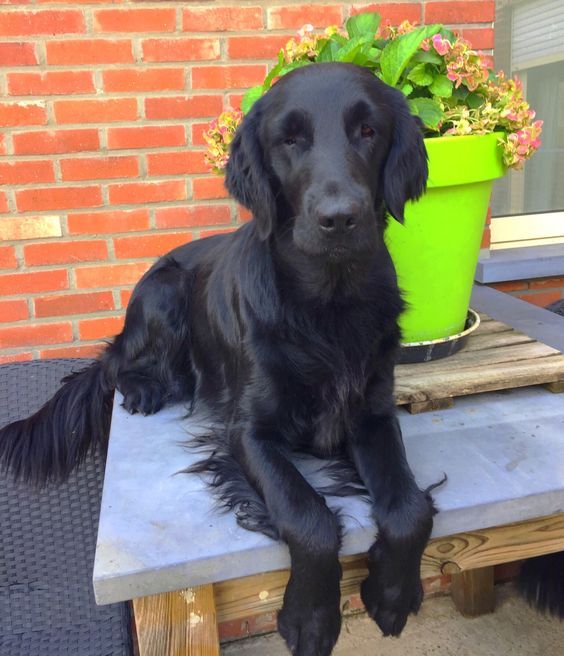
x=287, y=331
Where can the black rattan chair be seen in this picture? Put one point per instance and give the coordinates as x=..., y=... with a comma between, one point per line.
x=47, y=544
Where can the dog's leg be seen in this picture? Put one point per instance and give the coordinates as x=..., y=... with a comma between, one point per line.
x=310, y=619
x=151, y=357
x=404, y=515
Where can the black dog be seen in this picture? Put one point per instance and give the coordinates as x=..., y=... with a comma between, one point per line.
x=286, y=330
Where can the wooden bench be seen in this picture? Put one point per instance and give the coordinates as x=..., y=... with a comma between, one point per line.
x=186, y=567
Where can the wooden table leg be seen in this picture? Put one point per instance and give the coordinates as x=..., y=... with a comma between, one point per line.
x=180, y=623
x=473, y=591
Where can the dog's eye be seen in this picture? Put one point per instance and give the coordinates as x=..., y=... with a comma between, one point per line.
x=366, y=131
x=290, y=141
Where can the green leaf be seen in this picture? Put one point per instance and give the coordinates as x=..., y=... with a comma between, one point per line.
x=398, y=53
x=420, y=75
x=329, y=51
x=427, y=56
x=363, y=24
x=406, y=89
x=355, y=51
x=474, y=100
x=441, y=87
x=250, y=98
x=275, y=72
x=428, y=110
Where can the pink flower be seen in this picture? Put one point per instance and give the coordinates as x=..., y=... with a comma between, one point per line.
x=442, y=46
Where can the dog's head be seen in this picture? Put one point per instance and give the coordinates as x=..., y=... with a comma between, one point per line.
x=325, y=150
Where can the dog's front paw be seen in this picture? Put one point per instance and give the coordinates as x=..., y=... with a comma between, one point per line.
x=390, y=594
x=310, y=619
x=141, y=394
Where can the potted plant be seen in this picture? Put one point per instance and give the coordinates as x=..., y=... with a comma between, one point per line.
x=476, y=122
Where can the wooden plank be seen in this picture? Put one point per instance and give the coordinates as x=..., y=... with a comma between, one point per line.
x=476, y=358
x=263, y=593
x=491, y=326
x=492, y=546
x=497, y=340
x=473, y=591
x=180, y=623
x=500, y=376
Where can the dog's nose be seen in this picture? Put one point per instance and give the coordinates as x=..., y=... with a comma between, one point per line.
x=337, y=223
x=339, y=219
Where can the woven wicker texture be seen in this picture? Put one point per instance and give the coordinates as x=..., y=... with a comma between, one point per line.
x=47, y=544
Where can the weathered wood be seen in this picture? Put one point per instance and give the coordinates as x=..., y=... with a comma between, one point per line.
x=263, y=593
x=492, y=546
x=556, y=388
x=473, y=591
x=180, y=623
x=429, y=406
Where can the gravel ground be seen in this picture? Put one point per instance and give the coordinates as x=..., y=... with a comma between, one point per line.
x=513, y=630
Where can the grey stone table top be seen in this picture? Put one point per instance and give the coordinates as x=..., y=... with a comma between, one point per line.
x=159, y=530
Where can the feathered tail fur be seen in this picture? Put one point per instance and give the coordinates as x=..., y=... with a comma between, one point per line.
x=541, y=583
x=48, y=445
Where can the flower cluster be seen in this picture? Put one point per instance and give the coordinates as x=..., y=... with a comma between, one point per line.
x=219, y=136
x=307, y=44
x=446, y=83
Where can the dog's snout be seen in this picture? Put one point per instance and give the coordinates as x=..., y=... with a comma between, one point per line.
x=338, y=218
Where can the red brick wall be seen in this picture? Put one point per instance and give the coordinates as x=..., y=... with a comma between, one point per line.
x=541, y=291
x=102, y=107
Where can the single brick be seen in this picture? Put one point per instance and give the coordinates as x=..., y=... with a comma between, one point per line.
x=86, y=351
x=65, y=252
x=24, y=112
x=55, y=141
x=29, y=335
x=60, y=305
x=16, y=357
x=146, y=137
x=89, y=51
x=33, y=282
x=190, y=217
x=208, y=188
x=108, y=222
x=511, y=286
x=47, y=21
x=125, y=296
x=197, y=131
x=50, y=83
x=95, y=111
x=99, y=168
x=239, y=76
x=100, y=328
x=13, y=310
x=255, y=47
x=149, y=245
x=30, y=227
x=179, y=49
x=183, y=107
x=474, y=11
x=25, y=172
x=543, y=283
x=135, y=20
x=57, y=198
x=3, y=203
x=177, y=163
x=221, y=19
x=109, y=275
x=541, y=299
x=147, y=192
x=17, y=54
x=8, y=257
x=295, y=16
x=146, y=79
x=480, y=38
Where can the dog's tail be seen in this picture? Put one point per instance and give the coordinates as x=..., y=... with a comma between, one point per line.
x=47, y=446
x=541, y=583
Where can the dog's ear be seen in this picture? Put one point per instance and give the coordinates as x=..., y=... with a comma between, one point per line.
x=405, y=172
x=246, y=174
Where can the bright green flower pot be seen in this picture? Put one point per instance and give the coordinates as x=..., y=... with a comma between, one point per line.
x=436, y=251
